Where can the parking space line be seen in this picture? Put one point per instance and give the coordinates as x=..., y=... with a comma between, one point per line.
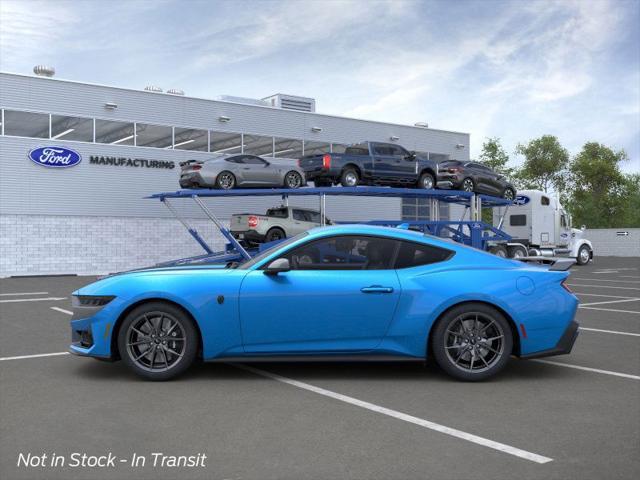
x=23, y=357
x=610, y=301
x=62, y=310
x=629, y=276
x=22, y=293
x=485, y=442
x=603, y=280
x=599, y=295
x=46, y=299
x=602, y=286
x=610, y=331
x=609, y=310
x=588, y=369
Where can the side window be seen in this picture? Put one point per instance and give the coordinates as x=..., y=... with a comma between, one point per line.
x=544, y=201
x=398, y=151
x=253, y=160
x=563, y=221
x=237, y=159
x=299, y=215
x=344, y=253
x=518, y=220
x=415, y=254
x=382, y=150
x=313, y=217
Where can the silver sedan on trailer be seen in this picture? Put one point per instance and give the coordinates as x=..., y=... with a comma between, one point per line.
x=235, y=171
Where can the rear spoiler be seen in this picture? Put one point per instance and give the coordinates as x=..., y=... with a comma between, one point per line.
x=189, y=162
x=557, y=264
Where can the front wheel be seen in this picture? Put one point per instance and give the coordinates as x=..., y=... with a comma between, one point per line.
x=584, y=255
x=426, y=181
x=472, y=341
x=158, y=341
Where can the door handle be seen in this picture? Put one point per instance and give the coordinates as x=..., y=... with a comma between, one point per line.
x=376, y=289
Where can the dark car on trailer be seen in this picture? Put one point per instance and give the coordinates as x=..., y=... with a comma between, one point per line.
x=371, y=163
x=474, y=177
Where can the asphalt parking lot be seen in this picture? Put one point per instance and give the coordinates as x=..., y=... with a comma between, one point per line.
x=575, y=416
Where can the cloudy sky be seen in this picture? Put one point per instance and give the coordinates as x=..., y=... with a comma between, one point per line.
x=512, y=69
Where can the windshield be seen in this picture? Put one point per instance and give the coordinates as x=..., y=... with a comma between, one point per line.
x=258, y=258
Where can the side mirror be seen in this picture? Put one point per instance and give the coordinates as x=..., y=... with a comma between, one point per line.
x=583, y=227
x=279, y=265
x=411, y=156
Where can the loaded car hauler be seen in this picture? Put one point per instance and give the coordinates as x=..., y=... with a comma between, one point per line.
x=539, y=225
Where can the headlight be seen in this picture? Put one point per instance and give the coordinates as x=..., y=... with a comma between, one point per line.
x=91, y=300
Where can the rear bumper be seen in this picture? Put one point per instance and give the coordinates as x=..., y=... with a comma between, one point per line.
x=249, y=235
x=564, y=345
x=193, y=180
x=321, y=173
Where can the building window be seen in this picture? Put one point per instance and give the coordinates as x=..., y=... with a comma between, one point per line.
x=226, y=143
x=258, y=145
x=71, y=128
x=115, y=133
x=26, y=124
x=316, y=148
x=156, y=136
x=287, y=148
x=191, y=139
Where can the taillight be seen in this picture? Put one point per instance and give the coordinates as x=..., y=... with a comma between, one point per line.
x=565, y=286
x=299, y=162
x=196, y=167
x=326, y=161
x=253, y=221
x=454, y=170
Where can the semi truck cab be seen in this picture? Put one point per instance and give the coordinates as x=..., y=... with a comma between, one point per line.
x=539, y=225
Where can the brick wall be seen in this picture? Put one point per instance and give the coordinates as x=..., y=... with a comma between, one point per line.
x=41, y=245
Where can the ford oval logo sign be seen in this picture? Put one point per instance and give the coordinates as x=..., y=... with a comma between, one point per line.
x=55, y=157
x=521, y=200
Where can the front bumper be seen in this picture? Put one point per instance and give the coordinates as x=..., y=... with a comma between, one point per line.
x=564, y=345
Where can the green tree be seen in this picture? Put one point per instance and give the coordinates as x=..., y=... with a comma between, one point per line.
x=599, y=194
x=544, y=165
x=494, y=156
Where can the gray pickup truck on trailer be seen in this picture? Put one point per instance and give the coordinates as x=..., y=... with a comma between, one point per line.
x=371, y=163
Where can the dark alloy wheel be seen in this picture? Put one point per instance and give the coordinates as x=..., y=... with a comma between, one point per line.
x=293, y=179
x=468, y=185
x=349, y=178
x=472, y=341
x=275, y=234
x=509, y=194
x=158, y=341
x=426, y=181
x=226, y=180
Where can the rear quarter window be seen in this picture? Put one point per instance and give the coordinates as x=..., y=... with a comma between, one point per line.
x=415, y=254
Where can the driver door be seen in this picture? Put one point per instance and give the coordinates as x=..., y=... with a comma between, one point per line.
x=339, y=297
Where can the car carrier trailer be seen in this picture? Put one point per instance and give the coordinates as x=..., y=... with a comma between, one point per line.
x=473, y=232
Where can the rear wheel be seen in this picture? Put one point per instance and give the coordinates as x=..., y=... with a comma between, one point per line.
x=508, y=194
x=275, y=234
x=498, y=251
x=472, y=341
x=158, y=341
x=426, y=181
x=226, y=180
x=517, y=252
x=293, y=179
x=349, y=178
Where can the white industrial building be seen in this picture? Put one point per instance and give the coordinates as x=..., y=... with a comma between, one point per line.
x=92, y=218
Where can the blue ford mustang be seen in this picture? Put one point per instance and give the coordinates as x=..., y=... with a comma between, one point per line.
x=354, y=291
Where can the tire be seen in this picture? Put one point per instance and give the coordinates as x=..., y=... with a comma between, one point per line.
x=509, y=194
x=349, y=178
x=157, y=327
x=293, y=180
x=275, y=234
x=468, y=185
x=426, y=181
x=499, y=251
x=584, y=255
x=517, y=252
x=472, y=342
x=225, y=180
